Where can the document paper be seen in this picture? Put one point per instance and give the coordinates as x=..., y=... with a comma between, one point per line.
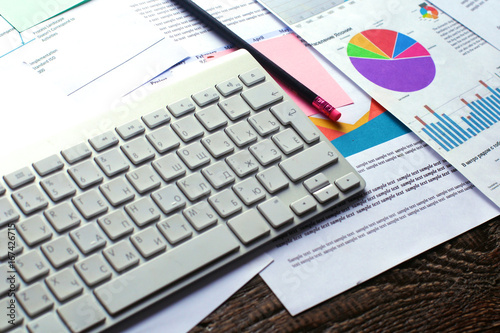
x=431, y=72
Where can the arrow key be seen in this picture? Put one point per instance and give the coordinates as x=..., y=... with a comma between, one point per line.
x=262, y=95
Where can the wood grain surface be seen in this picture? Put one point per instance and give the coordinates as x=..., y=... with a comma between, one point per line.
x=454, y=287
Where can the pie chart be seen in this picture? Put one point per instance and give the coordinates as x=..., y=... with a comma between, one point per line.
x=391, y=60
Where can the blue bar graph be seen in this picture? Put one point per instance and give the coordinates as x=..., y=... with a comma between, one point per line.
x=484, y=112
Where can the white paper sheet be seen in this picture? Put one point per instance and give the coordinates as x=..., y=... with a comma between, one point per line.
x=480, y=16
x=414, y=200
x=434, y=75
x=102, y=43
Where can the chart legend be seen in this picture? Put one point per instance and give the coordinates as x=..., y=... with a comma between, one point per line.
x=450, y=130
x=391, y=60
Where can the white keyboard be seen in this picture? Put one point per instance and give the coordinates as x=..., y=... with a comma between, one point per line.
x=184, y=182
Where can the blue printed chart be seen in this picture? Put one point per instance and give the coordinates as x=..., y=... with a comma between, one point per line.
x=451, y=126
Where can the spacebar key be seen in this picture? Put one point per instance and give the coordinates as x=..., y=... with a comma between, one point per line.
x=169, y=267
x=309, y=161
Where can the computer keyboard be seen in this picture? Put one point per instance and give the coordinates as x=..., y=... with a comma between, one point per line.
x=127, y=209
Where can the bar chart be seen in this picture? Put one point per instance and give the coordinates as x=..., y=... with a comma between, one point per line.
x=463, y=118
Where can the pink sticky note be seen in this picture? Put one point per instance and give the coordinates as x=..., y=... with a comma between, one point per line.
x=289, y=53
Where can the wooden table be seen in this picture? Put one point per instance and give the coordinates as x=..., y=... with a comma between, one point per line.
x=454, y=287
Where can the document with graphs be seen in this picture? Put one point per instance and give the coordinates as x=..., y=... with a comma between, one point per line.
x=435, y=75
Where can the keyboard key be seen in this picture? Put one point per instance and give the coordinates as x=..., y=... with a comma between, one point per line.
x=138, y=151
x=163, y=139
x=181, y=107
x=249, y=226
x=115, y=224
x=48, y=323
x=273, y=179
x=9, y=244
x=288, y=141
x=35, y=299
x=117, y=191
x=194, y=155
x=229, y=87
x=327, y=193
x=7, y=212
x=121, y=256
x=169, y=198
x=200, y=215
x=316, y=182
x=211, y=117
x=88, y=238
x=30, y=199
x=34, y=230
x=264, y=123
x=64, y=284
x=175, y=229
x=144, y=179
x=166, y=269
x=225, y=203
x=90, y=204
x=289, y=114
x=156, y=118
x=130, y=129
x=2, y=190
x=19, y=178
x=243, y=163
x=112, y=163
x=60, y=251
x=252, y=77
x=104, y=140
x=143, y=211
x=218, y=144
x=58, y=186
x=85, y=174
x=262, y=95
x=304, y=205
x=234, y=107
x=276, y=212
x=31, y=266
x=188, y=128
x=48, y=165
x=149, y=242
x=249, y=191
x=219, y=174
x=194, y=186
x=305, y=163
x=93, y=270
x=206, y=96
x=169, y=167
x=265, y=152
x=347, y=182
x=62, y=217
x=82, y=313
x=76, y=153
x=241, y=133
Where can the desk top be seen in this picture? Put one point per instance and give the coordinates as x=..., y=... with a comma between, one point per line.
x=452, y=287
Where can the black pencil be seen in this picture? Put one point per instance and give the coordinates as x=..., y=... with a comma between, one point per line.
x=295, y=85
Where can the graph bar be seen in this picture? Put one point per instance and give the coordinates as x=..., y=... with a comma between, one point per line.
x=449, y=127
x=433, y=135
x=455, y=125
x=472, y=128
x=477, y=113
x=495, y=92
x=452, y=144
x=493, y=104
x=491, y=107
x=480, y=106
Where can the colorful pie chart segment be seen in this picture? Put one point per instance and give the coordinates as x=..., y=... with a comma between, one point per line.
x=391, y=60
x=428, y=12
